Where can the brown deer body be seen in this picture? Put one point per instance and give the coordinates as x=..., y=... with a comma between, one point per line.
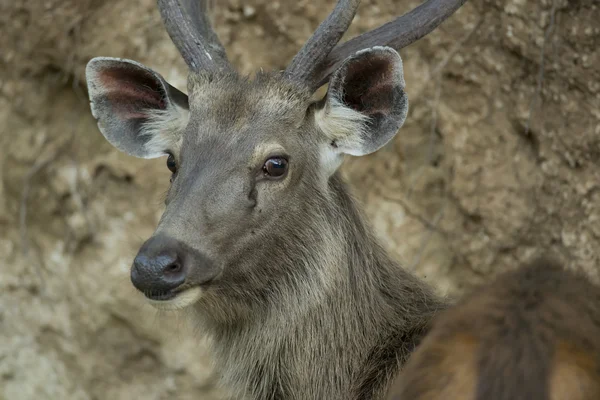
x=532, y=334
x=260, y=238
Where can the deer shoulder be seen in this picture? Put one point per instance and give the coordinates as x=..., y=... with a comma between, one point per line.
x=533, y=333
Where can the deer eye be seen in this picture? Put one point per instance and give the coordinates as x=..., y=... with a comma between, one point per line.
x=171, y=164
x=275, y=167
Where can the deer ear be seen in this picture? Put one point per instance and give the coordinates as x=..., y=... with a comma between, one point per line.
x=138, y=112
x=365, y=103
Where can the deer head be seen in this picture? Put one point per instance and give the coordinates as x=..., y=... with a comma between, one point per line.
x=253, y=161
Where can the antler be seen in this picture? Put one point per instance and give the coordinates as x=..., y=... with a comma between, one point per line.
x=189, y=28
x=396, y=34
x=318, y=59
x=306, y=64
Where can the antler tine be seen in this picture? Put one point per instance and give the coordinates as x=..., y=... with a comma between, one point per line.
x=189, y=28
x=397, y=34
x=306, y=64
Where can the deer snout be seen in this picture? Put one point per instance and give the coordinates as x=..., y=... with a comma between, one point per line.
x=164, y=267
x=157, y=276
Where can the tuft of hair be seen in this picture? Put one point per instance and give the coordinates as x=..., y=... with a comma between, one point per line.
x=342, y=125
x=165, y=128
x=533, y=333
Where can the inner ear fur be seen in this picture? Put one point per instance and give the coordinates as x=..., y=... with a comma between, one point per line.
x=366, y=104
x=137, y=110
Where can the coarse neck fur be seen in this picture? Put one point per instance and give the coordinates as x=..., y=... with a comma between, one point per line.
x=335, y=321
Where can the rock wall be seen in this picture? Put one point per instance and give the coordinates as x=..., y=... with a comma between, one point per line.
x=498, y=162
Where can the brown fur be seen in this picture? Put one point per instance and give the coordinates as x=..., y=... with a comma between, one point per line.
x=575, y=374
x=308, y=306
x=284, y=276
x=279, y=270
x=532, y=334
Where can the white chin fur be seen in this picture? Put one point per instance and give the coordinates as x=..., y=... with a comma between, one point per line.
x=182, y=300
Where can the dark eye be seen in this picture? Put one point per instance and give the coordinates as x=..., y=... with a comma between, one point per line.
x=275, y=167
x=171, y=164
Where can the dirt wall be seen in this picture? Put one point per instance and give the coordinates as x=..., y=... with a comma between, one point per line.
x=498, y=161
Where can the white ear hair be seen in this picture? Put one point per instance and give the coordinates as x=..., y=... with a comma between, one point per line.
x=165, y=128
x=365, y=105
x=343, y=126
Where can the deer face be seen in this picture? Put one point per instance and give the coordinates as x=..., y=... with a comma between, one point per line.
x=247, y=158
x=251, y=160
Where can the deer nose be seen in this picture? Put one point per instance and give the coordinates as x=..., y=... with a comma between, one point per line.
x=157, y=276
x=158, y=269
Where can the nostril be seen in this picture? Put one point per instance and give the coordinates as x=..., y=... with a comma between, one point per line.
x=173, y=268
x=172, y=272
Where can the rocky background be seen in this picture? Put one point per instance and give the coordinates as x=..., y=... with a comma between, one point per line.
x=499, y=161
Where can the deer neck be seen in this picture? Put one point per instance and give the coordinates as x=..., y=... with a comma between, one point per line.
x=317, y=332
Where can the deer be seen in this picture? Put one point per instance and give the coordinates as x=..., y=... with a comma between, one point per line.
x=531, y=334
x=261, y=240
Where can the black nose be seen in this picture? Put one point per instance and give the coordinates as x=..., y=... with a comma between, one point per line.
x=163, y=264
x=159, y=268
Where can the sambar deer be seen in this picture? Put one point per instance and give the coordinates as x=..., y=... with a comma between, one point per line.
x=531, y=334
x=260, y=237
